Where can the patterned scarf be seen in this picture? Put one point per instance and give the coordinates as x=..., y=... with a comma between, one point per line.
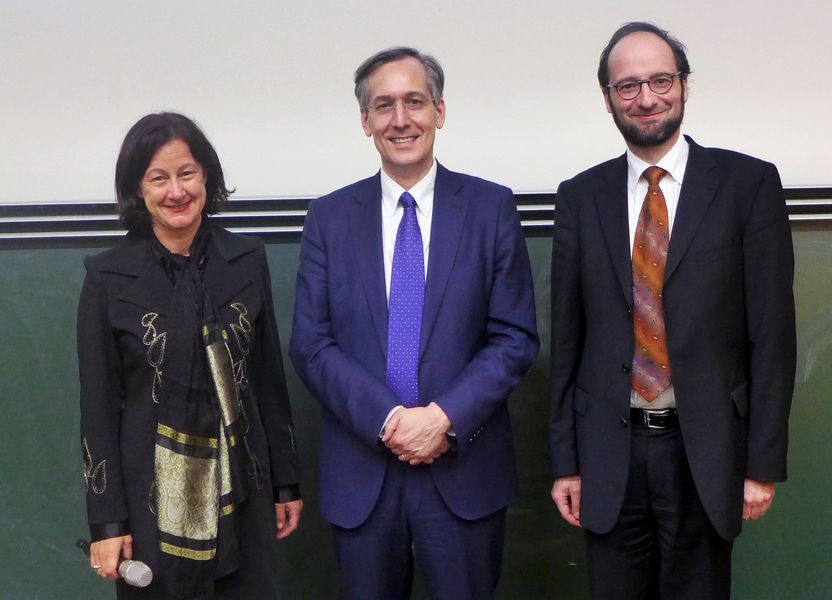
x=203, y=468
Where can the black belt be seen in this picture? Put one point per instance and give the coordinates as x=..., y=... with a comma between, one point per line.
x=666, y=418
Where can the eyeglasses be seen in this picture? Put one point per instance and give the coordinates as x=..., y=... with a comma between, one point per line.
x=386, y=106
x=658, y=84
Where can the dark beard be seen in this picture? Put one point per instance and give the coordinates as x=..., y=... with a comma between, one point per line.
x=656, y=137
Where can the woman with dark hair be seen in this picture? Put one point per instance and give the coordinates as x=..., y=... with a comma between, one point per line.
x=189, y=453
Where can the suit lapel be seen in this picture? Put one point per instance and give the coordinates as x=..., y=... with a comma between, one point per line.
x=449, y=209
x=698, y=191
x=365, y=231
x=221, y=278
x=152, y=289
x=611, y=204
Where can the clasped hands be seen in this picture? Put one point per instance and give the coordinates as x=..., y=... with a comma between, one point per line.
x=417, y=435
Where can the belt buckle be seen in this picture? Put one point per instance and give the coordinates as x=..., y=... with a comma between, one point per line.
x=654, y=413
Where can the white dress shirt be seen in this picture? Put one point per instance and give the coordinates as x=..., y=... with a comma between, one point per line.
x=392, y=212
x=674, y=162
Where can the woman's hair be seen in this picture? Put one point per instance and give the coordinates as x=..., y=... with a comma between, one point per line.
x=150, y=133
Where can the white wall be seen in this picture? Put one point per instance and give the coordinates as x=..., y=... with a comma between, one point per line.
x=271, y=84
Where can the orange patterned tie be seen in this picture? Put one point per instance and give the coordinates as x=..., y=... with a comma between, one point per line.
x=651, y=364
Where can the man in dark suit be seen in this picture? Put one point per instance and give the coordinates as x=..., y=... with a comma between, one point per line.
x=673, y=339
x=414, y=320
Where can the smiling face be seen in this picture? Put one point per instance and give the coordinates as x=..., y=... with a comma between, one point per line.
x=403, y=136
x=173, y=188
x=650, y=122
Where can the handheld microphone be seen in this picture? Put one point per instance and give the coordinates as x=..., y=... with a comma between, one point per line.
x=134, y=572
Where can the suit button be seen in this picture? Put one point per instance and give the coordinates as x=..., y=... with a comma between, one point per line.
x=626, y=368
x=624, y=421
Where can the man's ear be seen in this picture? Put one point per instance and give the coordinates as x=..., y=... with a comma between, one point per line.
x=365, y=125
x=440, y=117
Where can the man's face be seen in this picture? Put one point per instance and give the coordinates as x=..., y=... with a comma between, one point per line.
x=650, y=119
x=402, y=119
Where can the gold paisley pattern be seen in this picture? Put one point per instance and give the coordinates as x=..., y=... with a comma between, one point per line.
x=94, y=478
x=186, y=492
x=155, y=343
x=243, y=331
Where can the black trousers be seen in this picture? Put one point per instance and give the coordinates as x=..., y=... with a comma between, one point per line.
x=663, y=545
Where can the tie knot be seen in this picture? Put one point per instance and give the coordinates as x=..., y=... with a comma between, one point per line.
x=654, y=175
x=407, y=200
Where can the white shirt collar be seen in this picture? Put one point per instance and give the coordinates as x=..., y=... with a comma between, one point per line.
x=674, y=162
x=422, y=192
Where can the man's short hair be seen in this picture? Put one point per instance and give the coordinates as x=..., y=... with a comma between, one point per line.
x=436, y=76
x=678, y=48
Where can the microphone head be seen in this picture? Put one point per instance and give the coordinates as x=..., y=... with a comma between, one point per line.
x=135, y=573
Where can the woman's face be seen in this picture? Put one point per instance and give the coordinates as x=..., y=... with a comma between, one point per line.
x=173, y=188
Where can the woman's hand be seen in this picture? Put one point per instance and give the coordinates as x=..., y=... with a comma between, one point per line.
x=105, y=555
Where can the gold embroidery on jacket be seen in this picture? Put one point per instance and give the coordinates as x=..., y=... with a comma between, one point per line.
x=155, y=350
x=94, y=478
x=151, y=498
x=243, y=331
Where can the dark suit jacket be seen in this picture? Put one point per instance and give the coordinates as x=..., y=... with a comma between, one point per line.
x=122, y=320
x=729, y=317
x=478, y=340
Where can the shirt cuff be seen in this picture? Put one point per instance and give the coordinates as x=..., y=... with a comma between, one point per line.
x=387, y=419
x=103, y=531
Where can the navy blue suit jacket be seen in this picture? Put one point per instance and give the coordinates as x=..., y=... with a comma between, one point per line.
x=478, y=340
x=730, y=323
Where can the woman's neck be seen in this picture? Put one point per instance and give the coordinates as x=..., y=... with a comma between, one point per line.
x=178, y=242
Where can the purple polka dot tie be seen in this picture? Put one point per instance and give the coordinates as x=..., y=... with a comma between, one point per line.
x=407, y=297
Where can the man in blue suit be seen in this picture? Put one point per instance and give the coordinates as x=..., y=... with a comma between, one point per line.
x=414, y=321
x=673, y=339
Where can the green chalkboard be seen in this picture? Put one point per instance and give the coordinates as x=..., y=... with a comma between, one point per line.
x=784, y=556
